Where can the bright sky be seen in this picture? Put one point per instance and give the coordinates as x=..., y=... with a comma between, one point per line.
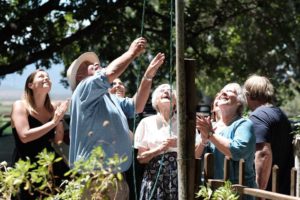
x=12, y=86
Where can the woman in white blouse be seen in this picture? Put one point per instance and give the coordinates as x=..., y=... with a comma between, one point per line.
x=156, y=141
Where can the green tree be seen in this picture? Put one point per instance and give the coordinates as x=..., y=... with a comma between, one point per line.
x=229, y=39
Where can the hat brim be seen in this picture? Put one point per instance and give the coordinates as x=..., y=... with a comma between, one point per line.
x=72, y=70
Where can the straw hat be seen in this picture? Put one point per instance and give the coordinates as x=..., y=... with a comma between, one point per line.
x=72, y=71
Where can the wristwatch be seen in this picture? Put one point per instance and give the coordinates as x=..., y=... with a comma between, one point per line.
x=210, y=133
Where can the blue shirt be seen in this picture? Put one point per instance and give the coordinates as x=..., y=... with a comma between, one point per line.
x=242, y=146
x=271, y=125
x=99, y=119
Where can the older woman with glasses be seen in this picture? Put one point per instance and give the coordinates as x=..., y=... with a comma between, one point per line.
x=236, y=140
x=156, y=141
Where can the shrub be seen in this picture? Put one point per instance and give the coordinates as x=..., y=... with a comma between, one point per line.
x=39, y=177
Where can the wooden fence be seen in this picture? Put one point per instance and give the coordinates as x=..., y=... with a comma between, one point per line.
x=240, y=188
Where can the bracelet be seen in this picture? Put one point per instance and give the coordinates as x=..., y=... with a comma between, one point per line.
x=147, y=78
x=210, y=133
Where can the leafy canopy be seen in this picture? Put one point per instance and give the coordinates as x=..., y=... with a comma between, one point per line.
x=229, y=39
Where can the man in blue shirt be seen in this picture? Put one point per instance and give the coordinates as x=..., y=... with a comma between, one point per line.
x=272, y=130
x=99, y=118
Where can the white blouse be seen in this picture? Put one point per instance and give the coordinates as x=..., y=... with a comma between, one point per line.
x=153, y=130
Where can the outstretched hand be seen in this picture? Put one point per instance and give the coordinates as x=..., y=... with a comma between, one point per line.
x=138, y=46
x=154, y=65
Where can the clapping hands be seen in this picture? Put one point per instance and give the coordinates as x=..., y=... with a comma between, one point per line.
x=60, y=111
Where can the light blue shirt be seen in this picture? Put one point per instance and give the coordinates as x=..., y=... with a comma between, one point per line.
x=242, y=146
x=99, y=119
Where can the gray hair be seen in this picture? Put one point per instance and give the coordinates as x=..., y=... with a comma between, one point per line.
x=240, y=96
x=156, y=92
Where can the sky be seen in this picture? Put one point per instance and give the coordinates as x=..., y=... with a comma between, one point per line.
x=11, y=88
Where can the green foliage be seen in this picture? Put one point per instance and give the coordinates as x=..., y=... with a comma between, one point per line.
x=39, y=177
x=295, y=125
x=224, y=192
x=205, y=192
x=229, y=39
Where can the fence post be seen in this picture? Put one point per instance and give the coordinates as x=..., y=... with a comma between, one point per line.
x=226, y=168
x=242, y=172
x=208, y=166
x=275, y=170
x=198, y=173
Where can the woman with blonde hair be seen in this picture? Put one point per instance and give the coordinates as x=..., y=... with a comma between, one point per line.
x=36, y=122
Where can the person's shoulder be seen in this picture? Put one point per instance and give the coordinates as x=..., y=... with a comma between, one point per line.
x=243, y=120
x=19, y=103
x=263, y=111
x=269, y=111
x=19, y=106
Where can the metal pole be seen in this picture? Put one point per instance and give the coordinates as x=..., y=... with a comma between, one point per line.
x=181, y=101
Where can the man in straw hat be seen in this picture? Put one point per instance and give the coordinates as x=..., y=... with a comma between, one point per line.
x=99, y=118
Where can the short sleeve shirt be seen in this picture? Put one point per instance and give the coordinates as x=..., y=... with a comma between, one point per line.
x=152, y=131
x=271, y=125
x=242, y=146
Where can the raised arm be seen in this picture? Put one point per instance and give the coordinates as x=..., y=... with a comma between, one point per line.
x=119, y=65
x=141, y=96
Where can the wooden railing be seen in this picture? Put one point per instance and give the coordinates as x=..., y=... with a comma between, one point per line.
x=240, y=188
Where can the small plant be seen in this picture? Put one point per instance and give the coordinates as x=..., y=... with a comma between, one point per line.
x=39, y=177
x=204, y=192
x=225, y=192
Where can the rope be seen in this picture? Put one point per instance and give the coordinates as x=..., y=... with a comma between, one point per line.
x=134, y=119
x=171, y=99
x=171, y=107
x=143, y=18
